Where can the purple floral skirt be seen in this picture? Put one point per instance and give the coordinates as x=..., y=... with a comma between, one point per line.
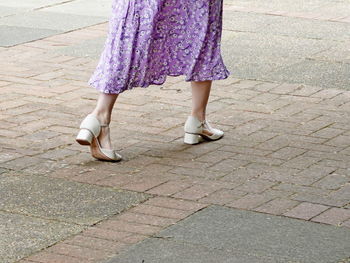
x=149, y=40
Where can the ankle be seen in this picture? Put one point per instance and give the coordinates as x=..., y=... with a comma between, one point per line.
x=103, y=117
x=199, y=115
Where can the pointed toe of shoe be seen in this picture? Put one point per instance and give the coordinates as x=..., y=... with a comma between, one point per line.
x=110, y=155
x=117, y=157
x=217, y=134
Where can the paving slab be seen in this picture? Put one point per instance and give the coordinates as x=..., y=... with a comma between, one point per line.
x=14, y=35
x=255, y=67
x=254, y=55
x=175, y=252
x=339, y=52
x=339, y=7
x=32, y=4
x=259, y=44
x=23, y=235
x=235, y=235
x=280, y=139
x=6, y=10
x=63, y=200
x=89, y=48
x=3, y=170
x=250, y=22
x=277, y=48
x=310, y=28
x=326, y=74
x=83, y=7
x=51, y=20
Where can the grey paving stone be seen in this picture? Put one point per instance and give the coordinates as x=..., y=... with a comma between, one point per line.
x=23, y=235
x=155, y=250
x=291, y=5
x=274, y=58
x=89, y=48
x=334, y=8
x=250, y=22
x=6, y=11
x=258, y=44
x=3, y=170
x=32, y=4
x=83, y=7
x=51, y=20
x=319, y=73
x=255, y=68
x=13, y=35
x=310, y=28
x=241, y=236
x=274, y=48
x=63, y=200
x=340, y=52
x=255, y=55
x=246, y=64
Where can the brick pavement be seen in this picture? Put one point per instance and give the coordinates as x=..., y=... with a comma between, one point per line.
x=286, y=150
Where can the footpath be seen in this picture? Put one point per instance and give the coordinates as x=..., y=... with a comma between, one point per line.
x=274, y=189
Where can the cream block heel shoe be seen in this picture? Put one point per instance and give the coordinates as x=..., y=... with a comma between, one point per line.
x=90, y=129
x=195, y=129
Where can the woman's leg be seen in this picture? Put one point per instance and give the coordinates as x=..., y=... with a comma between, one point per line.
x=200, y=97
x=103, y=112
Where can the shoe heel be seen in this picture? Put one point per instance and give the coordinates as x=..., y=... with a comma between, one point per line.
x=191, y=138
x=84, y=137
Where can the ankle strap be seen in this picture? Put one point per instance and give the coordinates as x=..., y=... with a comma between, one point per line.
x=104, y=125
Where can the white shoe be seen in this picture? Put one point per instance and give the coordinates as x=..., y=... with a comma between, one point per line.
x=90, y=129
x=194, y=129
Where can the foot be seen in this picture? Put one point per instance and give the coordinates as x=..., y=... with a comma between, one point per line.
x=195, y=128
x=199, y=115
x=207, y=130
x=104, y=137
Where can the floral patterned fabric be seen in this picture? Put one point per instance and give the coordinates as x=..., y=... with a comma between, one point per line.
x=151, y=39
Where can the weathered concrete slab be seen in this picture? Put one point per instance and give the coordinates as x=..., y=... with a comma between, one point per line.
x=310, y=28
x=234, y=235
x=326, y=74
x=23, y=235
x=3, y=170
x=248, y=22
x=256, y=44
x=262, y=47
x=63, y=200
x=6, y=10
x=246, y=59
x=156, y=250
x=269, y=25
x=32, y=4
x=340, y=52
x=51, y=20
x=340, y=7
x=13, y=35
x=83, y=7
x=88, y=48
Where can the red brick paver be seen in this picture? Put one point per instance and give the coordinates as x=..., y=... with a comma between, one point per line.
x=306, y=211
x=333, y=216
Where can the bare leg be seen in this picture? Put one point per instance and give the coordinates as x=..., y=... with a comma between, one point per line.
x=103, y=112
x=200, y=97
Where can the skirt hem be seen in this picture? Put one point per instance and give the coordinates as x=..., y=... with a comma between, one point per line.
x=187, y=79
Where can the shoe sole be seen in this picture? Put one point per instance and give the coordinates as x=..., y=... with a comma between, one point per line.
x=83, y=142
x=209, y=139
x=96, y=153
